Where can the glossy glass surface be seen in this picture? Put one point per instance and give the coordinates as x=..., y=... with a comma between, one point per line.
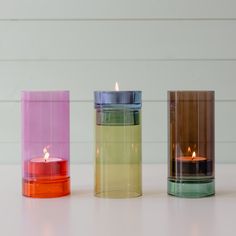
x=118, y=157
x=191, y=143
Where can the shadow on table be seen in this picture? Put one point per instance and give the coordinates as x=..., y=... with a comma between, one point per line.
x=82, y=193
x=154, y=194
x=225, y=193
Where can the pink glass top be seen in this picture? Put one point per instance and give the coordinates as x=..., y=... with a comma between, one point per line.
x=45, y=123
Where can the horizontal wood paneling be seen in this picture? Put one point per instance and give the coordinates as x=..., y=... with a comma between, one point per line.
x=135, y=40
x=154, y=78
x=154, y=122
x=83, y=9
x=87, y=45
x=84, y=153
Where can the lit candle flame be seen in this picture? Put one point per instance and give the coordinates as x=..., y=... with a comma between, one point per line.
x=189, y=149
x=193, y=155
x=46, y=153
x=117, y=87
x=97, y=151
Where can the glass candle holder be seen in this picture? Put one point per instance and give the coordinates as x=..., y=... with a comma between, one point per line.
x=191, y=143
x=118, y=170
x=45, y=143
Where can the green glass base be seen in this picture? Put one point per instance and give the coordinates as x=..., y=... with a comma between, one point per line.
x=191, y=188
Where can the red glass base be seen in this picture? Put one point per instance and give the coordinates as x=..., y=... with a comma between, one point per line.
x=46, y=188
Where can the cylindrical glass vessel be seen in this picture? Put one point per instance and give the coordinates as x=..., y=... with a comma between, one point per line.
x=118, y=162
x=191, y=142
x=45, y=143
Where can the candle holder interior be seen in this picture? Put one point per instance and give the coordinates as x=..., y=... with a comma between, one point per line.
x=45, y=144
x=191, y=143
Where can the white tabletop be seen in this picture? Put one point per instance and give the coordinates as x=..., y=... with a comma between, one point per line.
x=82, y=214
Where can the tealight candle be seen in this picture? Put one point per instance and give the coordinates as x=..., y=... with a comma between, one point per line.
x=191, y=143
x=45, y=143
x=42, y=167
x=190, y=165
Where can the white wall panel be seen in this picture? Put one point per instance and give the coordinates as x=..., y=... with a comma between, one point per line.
x=83, y=153
x=154, y=122
x=100, y=9
x=82, y=131
x=87, y=45
x=135, y=40
x=154, y=78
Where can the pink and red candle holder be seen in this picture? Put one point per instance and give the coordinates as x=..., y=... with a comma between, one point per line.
x=45, y=143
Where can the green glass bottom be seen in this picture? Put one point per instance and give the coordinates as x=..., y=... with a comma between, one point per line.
x=191, y=188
